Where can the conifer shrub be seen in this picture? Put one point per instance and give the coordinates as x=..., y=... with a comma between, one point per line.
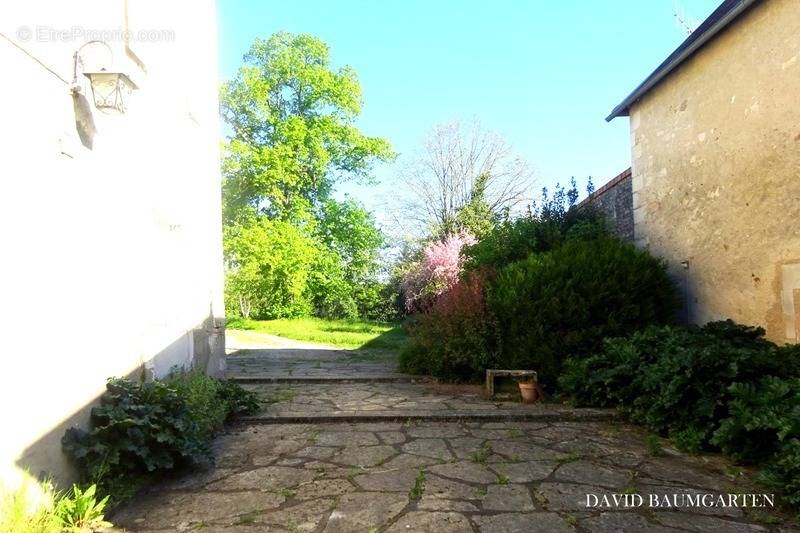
x=565, y=302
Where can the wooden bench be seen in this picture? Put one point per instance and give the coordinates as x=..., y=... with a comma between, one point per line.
x=515, y=375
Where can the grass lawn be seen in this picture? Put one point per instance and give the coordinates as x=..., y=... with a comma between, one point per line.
x=350, y=334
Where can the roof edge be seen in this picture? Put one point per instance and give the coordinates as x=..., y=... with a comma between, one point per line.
x=721, y=17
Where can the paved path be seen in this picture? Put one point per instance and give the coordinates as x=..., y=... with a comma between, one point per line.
x=477, y=474
x=262, y=357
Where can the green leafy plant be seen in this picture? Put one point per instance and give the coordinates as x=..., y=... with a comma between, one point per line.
x=653, y=444
x=81, y=511
x=143, y=428
x=762, y=417
x=782, y=472
x=679, y=381
x=138, y=428
x=239, y=401
x=200, y=393
x=35, y=507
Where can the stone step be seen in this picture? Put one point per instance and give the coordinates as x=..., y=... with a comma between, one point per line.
x=330, y=380
x=497, y=415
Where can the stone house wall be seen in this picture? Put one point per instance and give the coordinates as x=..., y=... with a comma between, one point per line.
x=716, y=173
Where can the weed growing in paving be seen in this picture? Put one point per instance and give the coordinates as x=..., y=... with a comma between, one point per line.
x=568, y=458
x=282, y=395
x=246, y=519
x=481, y=454
x=653, y=444
x=419, y=486
x=515, y=433
x=286, y=493
x=631, y=488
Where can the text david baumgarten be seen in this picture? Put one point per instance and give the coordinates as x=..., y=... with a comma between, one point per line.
x=670, y=501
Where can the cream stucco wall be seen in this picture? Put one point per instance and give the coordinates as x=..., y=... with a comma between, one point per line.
x=716, y=172
x=111, y=253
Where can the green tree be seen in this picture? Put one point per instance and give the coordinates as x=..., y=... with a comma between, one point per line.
x=268, y=266
x=293, y=135
x=350, y=230
x=477, y=216
x=290, y=248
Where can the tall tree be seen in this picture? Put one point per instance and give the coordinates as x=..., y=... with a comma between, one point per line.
x=462, y=172
x=291, y=118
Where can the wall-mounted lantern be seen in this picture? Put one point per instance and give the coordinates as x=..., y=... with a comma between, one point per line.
x=110, y=89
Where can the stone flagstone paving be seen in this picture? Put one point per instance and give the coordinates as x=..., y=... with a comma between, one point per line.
x=495, y=476
x=440, y=477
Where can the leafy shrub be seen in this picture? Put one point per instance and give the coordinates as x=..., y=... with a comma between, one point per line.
x=137, y=429
x=782, y=473
x=268, y=263
x=719, y=387
x=761, y=417
x=29, y=508
x=140, y=428
x=564, y=302
x=679, y=381
x=454, y=339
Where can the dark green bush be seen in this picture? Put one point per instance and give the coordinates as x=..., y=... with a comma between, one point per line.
x=761, y=417
x=239, y=402
x=143, y=428
x=565, y=302
x=720, y=387
x=782, y=473
x=678, y=381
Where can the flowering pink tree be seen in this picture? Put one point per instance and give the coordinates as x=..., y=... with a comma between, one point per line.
x=437, y=271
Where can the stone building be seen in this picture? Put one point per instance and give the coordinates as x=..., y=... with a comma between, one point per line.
x=715, y=138
x=110, y=208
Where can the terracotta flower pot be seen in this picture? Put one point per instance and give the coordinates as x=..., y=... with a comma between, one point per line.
x=528, y=392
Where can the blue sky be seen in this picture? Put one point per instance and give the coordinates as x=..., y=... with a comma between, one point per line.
x=543, y=74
